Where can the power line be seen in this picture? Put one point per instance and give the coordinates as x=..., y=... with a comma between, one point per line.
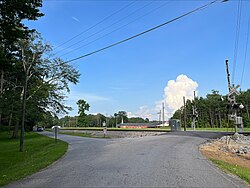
x=147, y=31
x=246, y=49
x=95, y=24
x=116, y=29
x=237, y=38
x=101, y=30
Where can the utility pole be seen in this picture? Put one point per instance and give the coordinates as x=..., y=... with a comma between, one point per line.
x=185, y=114
x=163, y=114
x=180, y=117
x=159, y=116
x=232, y=101
x=195, y=114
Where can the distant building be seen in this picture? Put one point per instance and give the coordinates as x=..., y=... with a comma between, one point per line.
x=140, y=125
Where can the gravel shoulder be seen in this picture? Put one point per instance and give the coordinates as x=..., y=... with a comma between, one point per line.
x=233, y=150
x=118, y=134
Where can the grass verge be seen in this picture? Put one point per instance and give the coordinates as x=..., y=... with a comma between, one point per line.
x=219, y=129
x=39, y=152
x=89, y=135
x=165, y=129
x=242, y=172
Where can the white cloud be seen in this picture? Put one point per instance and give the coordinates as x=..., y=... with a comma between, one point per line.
x=76, y=19
x=74, y=96
x=173, y=99
x=144, y=112
x=90, y=98
x=175, y=90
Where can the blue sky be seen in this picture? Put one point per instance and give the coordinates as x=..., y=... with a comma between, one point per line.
x=134, y=76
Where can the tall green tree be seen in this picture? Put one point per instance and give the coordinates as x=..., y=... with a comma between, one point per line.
x=82, y=107
x=49, y=76
x=12, y=29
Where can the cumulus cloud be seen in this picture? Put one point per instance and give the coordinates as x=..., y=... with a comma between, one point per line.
x=175, y=90
x=143, y=112
x=172, y=98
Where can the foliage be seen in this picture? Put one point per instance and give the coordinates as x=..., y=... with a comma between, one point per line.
x=47, y=80
x=213, y=110
x=40, y=151
x=82, y=107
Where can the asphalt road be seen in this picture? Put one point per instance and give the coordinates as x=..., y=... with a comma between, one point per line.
x=156, y=161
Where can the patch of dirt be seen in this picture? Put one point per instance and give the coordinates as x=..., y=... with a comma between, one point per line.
x=228, y=149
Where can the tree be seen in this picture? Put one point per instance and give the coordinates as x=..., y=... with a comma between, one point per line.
x=82, y=107
x=214, y=110
x=122, y=116
x=12, y=29
x=44, y=79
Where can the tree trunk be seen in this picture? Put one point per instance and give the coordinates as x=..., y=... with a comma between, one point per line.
x=23, y=112
x=202, y=118
x=1, y=93
x=15, y=131
x=247, y=113
x=220, y=120
x=10, y=120
x=211, y=118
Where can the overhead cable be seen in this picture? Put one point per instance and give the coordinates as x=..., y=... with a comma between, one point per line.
x=237, y=36
x=144, y=32
x=106, y=18
x=246, y=49
x=116, y=29
x=103, y=29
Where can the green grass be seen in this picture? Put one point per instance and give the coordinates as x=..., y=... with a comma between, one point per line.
x=83, y=135
x=242, y=172
x=165, y=129
x=39, y=152
x=218, y=129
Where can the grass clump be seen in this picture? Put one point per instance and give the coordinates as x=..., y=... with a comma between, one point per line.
x=242, y=172
x=39, y=152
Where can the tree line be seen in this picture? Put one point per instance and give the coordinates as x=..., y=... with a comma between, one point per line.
x=97, y=120
x=33, y=81
x=213, y=110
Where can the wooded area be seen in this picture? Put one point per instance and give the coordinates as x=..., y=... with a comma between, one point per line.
x=213, y=110
x=33, y=82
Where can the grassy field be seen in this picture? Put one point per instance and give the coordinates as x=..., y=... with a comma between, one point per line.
x=242, y=172
x=219, y=129
x=165, y=129
x=39, y=152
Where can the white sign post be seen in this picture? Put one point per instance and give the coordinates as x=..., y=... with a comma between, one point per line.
x=104, y=129
x=56, y=131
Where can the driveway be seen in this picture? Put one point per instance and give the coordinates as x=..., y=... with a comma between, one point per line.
x=155, y=161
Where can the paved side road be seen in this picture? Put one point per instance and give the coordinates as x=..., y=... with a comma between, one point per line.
x=154, y=161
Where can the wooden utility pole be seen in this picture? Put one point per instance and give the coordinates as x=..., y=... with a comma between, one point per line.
x=194, y=113
x=232, y=101
x=180, y=116
x=185, y=114
x=163, y=114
